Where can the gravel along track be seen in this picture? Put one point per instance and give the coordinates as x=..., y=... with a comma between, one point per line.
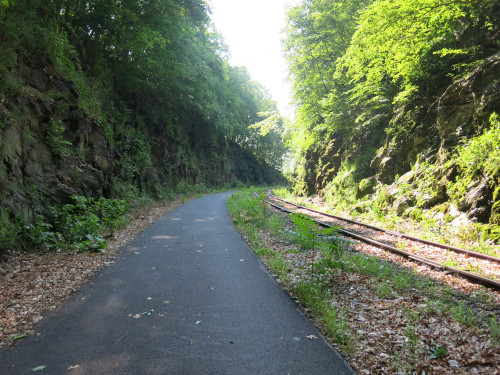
x=486, y=271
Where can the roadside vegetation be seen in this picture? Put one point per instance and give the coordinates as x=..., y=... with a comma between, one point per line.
x=383, y=316
x=58, y=259
x=105, y=105
x=430, y=223
x=388, y=116
x=87, y=223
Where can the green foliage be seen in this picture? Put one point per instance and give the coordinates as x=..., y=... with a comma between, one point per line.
x=407, y=31
x=54, y=137
x=495, y=330
x=362, y=71
x=464, y=315
x=438, y=352
x=307, y=231
x=83, y=224
x=382, y=289
x=247, y=209
x=276, y=225
x=250, y=216
x=151, y=76
x=19, y=337
x=342, y=190
x=309, y=234
x=279, y=266
x=476, y=158
x=317, y=298
x=135, y=154
x=41, y=235
x=11, y=226
x=111, y=213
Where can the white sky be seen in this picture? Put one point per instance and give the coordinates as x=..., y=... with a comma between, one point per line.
x=252, y=31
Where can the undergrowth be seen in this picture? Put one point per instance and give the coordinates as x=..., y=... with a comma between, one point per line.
x=428, y=223
x=86, y=223
x=311, y=286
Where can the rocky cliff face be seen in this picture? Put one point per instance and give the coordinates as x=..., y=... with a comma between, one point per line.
x=461, y=112
x=49, y=150
x=417, y=165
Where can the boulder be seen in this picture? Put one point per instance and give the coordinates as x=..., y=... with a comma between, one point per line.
x=478, y=201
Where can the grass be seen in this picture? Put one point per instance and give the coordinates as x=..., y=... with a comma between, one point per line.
x=417, y=224
x=316, y=298
x=310, y=284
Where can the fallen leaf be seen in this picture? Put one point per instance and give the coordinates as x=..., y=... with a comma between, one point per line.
x=16, y=338
x=312, y=337
x=39, y=368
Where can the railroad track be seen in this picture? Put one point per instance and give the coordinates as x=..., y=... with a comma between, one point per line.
x=420, y=248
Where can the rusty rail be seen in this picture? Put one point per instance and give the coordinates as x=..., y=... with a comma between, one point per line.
x=470, y=276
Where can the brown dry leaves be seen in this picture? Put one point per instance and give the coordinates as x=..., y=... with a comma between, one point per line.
x=397, y=333
x=32, y=283
x=383, y=329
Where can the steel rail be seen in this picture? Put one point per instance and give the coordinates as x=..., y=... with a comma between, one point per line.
x=470, y=276
x=474, y=254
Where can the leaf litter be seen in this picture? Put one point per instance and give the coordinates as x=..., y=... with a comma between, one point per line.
x=32, y=283
x=396, y=333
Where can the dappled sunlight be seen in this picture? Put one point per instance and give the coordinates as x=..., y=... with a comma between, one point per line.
x=109, y=364
x=164, y=237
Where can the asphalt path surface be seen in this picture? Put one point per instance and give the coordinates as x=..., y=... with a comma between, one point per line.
x=188, y=296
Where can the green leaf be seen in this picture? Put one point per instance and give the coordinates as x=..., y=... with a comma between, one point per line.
x=39, y=368
x=15, y=338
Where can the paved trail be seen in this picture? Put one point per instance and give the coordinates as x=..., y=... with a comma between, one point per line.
x=186, y=297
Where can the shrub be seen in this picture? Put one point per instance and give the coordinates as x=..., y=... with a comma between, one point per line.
x=477, y=157
x=11, y=227
x=82, y=225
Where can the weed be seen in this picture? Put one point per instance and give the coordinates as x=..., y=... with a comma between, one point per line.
x=402, y=281
x=495, y=330
x=54, y=138
x=382, y=290
x=438, y=352
x=310, y=236
x=83, y=224
x=323, y=267
x=316, y=298
x=262, y=251
x=19, y=337
x=247, y=209
x=412, y=345
x=367, y=265
x=276, y=225
x=280, y=267
x=11, y=227
x=41, y=234
x=477, y=157
x=463, y=315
